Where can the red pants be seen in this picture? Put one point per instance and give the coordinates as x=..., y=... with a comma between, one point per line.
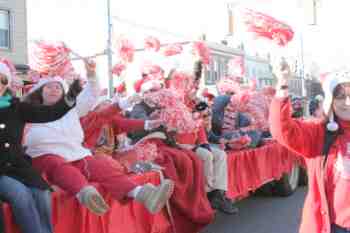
x=73, y=176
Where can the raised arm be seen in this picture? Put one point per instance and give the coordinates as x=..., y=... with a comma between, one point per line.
x=89, y=95
x=122, y=124
x=304, y=138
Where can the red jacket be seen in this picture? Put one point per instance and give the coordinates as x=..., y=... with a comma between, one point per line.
x=195, y=138
x=93, y=123
x=306, y=139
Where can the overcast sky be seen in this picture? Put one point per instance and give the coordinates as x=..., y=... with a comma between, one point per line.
x=82, y=24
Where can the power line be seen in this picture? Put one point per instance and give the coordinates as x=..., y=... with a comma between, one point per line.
x=151, y=28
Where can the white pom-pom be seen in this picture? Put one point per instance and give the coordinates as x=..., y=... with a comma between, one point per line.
x=332, y=126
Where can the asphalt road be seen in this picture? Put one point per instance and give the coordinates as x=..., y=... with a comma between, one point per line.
x=262, y=214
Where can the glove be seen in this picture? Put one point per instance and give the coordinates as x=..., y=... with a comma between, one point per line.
x=153, y=124
x=74, y=90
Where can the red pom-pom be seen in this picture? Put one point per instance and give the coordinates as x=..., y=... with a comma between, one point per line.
x=118, y=69
x=126, y=49
x=202, y=50
x=172, y=49
x=121, y=88
x=152, y=44
x=265, y=26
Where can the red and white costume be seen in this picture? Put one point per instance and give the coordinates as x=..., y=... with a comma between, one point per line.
x=57, y=150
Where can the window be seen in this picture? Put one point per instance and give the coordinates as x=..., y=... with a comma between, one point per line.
x=212, y=73
x=253, y=73
x=4, y=29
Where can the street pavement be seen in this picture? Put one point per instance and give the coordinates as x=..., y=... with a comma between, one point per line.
x=262, y=214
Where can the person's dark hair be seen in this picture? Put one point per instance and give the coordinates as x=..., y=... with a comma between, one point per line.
x=37, y=96
x=313, y=106
x=34, y=98
x=340, y=90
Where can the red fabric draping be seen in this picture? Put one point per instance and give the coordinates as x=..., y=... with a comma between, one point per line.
x=250, y=169
x=191, y=208
x=71, y=217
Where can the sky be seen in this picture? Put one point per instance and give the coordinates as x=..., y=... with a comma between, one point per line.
x=82, y=24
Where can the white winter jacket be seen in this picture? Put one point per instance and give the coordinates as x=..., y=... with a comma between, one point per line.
x=65, y=136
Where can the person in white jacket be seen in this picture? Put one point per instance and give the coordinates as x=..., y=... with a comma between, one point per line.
x=56, y=150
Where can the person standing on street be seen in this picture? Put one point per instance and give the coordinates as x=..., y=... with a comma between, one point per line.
x=325, y=145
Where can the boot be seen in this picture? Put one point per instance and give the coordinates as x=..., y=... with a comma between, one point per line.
x=155, y=197
x=220, y=202
x=93, y=200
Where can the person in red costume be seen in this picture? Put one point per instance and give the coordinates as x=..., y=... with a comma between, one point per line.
x=325, y=145
x=214, y=159
x=190, y=205
x=57, y=150
x=102, y=128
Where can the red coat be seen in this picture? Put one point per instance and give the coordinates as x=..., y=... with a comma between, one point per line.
x=196, y=138
x=189, y=202
x=94, y=122
x=306, y=138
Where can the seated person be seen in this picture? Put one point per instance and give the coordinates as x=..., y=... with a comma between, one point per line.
x=181, y=165
x=214, y=159
x=236, y=130
x=56, y=150
x=102, y=129
x=27, y=193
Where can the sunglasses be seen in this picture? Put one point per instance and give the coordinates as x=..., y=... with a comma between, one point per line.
x=3, y=80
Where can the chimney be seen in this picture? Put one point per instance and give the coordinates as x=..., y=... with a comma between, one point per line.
x=230, y=22
x=203, y=37
x=310, y=9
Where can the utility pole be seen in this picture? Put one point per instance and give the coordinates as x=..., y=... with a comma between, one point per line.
x=314, y=12
x=109, y=51
x=302, y=68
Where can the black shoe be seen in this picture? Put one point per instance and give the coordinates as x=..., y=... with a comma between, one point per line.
x=221, y=203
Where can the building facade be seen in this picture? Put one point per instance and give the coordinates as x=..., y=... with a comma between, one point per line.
x=255, y=67
x=13, y=30
x=260, y=69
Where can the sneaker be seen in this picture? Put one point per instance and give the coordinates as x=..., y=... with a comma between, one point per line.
x=93, y=200
x=223, y=204
x=155, y=197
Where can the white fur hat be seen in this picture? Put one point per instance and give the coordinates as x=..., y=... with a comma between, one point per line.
x=5, y=70
x=44, y=81
x=331, y=82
